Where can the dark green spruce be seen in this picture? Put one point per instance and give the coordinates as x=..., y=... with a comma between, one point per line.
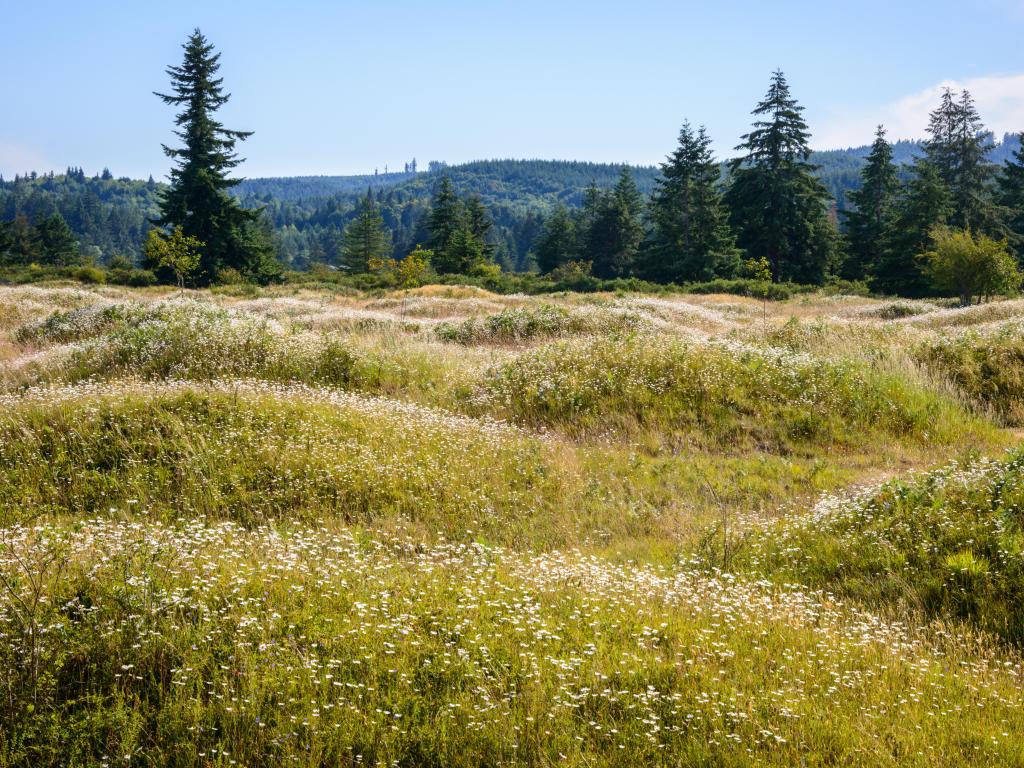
x=198, y=198
x=691, y=239
x=778, y=207
x=870, y=224
x=1011, y=198
x=615, y=229
x=366, y=238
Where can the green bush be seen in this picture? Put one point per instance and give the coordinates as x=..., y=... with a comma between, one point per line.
x=90, y=275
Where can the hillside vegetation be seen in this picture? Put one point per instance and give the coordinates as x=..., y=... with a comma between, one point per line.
x=441, y=526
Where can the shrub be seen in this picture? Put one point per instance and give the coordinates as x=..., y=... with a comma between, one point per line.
x=90, y=275
x=969, y=266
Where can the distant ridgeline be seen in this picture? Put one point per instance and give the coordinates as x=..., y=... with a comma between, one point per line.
x=110, y=215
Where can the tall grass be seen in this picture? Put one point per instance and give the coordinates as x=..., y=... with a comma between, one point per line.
x=254, y=453
x=948, y=544
x=715, y=395
x=987, y=367
x=202, y=644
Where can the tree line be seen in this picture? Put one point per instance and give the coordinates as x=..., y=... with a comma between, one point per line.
x=771, y=209
x=766, y=213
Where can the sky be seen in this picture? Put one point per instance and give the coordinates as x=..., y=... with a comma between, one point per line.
x=346, y=87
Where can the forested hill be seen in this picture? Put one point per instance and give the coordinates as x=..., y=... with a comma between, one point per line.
x=110, y=216
x=550, y=180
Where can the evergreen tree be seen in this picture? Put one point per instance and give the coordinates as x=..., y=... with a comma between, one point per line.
x=1011, y=196
x=557, y=242
x=778, y=208
x=6, y=241
x=926, y=204
x=692, y=239
x=869, y=225
x=55, y=241
x=465, y=251
x=197, y=199
x=480, y=224
x=366, y=238
x=447, y=216
x=614, y=236
x=958, y=148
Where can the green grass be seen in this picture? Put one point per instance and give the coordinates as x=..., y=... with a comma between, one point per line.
x=714, y=395
x=254, y=454
x=201, y=644
x=946, y=545
x=289, y=527
x=521, y=324
x=192, y=341
x=987, y=368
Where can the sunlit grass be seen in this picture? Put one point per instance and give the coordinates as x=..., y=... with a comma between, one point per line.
x=283, y=526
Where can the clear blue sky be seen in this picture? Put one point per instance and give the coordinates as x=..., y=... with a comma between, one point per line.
x=344, y=87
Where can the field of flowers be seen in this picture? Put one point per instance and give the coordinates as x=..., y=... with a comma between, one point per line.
x=444, y=527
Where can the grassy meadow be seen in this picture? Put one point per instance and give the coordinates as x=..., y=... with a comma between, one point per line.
x=441, y=527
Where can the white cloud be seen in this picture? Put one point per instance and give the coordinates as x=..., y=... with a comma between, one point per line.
x=19, y=158
x=999, y=98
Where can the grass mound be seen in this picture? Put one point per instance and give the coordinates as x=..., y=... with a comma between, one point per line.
x=949, y=544
x=253, y=453
x=203, y=644
x=987, y=368
x=542, y=322
x=196, y=341
x=723, y=395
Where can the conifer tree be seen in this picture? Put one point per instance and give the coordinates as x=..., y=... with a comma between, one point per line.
x=869, y=225
x=447, y=216
x=925, y=204
x=480, y=224
x=614, y=236
x=778, y=208
x=1011, y=196
x=198, y=198
x=557, y=242
x=55, y=241
x=692, y=239
x=366, y=238
x=957, y=148
x=465, y=251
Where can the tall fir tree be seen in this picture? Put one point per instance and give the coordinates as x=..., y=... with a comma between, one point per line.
x=614, y=235
x=447, y=216
x=958, y=147
x=55, y=241
x=1011, y=197
x=480, y=224
x=366, y=237
x=198, y=198
x=870, y=223
x=557, y=242
x=925, y=204
x=692, y=239
x=777, y=206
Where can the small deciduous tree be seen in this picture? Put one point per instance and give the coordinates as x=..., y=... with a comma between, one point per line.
x=969, y=266
x=176, y=251
x=414, y=269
